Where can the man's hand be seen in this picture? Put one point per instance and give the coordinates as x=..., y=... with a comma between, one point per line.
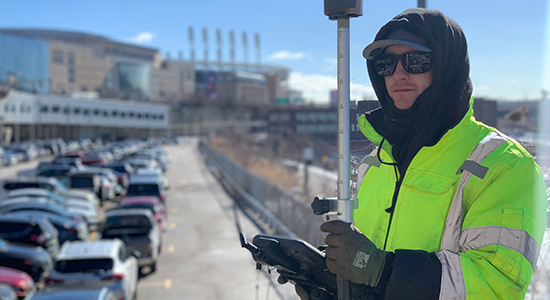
x=351, y=254
x=302, y=293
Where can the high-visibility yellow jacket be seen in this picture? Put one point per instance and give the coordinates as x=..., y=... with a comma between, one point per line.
x=487, y=243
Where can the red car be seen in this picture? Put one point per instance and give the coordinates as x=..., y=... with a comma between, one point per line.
x=20, y=281
x=152, y=203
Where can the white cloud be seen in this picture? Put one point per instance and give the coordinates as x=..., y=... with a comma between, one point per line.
x=143, y=37
x=283, y=55
x=316, y=87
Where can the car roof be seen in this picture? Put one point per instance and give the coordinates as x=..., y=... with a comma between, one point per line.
x=88, y=294
x=125, y=212
x=13, y=274
x=29, y=191
x=140, y=199
x=145, y=179
x=89, y=249
x=22, y=218
x=85, y=172
x=30, y=179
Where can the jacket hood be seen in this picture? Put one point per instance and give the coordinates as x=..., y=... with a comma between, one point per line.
x=442, y=105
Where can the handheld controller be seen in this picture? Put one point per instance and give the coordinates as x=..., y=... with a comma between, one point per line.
x=300, y=263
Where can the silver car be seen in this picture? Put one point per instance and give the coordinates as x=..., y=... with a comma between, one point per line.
x=87, y=265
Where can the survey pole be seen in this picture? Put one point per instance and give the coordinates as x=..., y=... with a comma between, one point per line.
x=342, y=11
x=344, y=119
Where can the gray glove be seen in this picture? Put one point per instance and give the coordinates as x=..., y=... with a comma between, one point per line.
x=351, y=254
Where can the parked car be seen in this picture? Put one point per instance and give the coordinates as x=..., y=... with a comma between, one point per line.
x=138, y=230
x=68, y=228
x=48, y=183
x=87, y=213
x=91, y=181
x=154, y=174
x=7, y=292
x=94, y=264
x=111, y=177
x=145, y=186
x=83, y=195
x=31, y=231
x=39, y=205
x=93, y=294
x=93, y=157
x=21, y=283
x=56, y=171
x=34, y=192
x=144, y=163
x=151, y=203
x=32, y=260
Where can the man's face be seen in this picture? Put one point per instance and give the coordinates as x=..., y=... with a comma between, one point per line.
x=404, y=87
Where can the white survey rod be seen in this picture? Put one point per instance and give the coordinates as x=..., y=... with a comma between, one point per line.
x=343, y=119
x=344, y=287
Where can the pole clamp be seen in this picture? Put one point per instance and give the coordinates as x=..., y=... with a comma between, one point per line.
x=329, y=206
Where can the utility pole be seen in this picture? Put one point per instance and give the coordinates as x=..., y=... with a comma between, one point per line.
x=342, y=11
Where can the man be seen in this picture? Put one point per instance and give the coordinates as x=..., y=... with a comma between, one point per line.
x=449, y=207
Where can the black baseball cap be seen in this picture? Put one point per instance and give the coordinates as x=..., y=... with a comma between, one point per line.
x=398, y=37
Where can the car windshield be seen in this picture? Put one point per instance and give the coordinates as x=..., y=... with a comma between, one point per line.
x=100, y=265
x=143, y=189
x=82, y=182
x=150, y=207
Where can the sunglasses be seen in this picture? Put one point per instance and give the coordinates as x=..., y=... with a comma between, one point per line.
x=412, y=62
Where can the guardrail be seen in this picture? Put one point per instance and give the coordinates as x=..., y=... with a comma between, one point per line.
x=280, y=210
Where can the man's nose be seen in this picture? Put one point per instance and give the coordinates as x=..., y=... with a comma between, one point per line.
x=400, y=73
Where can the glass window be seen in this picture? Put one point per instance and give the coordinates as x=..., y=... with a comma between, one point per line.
x=55, y=109
x=105, y=113
x=66, y=110
x=28, y=60
x=44, y=108
x=86, y=112
x=76, y=110
x=84, y=265
x=134, y=77
x=57, y=56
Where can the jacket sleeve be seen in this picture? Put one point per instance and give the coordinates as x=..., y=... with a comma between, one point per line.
x=504, y=217
x=410, y=274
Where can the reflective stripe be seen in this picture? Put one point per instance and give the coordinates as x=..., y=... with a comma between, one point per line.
x=452, y=279
x=474, y=238
x=453, y=225
x=371, y=160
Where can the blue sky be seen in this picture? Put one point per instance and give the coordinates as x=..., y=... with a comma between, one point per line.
x=508, y=40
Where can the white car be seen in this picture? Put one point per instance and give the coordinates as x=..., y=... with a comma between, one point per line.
x=87, y=265
x=85, y=195
x=153, y=175
x=86, y=211
x=139, y=231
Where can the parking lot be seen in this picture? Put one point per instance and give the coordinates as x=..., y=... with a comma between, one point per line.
x=201, y=254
